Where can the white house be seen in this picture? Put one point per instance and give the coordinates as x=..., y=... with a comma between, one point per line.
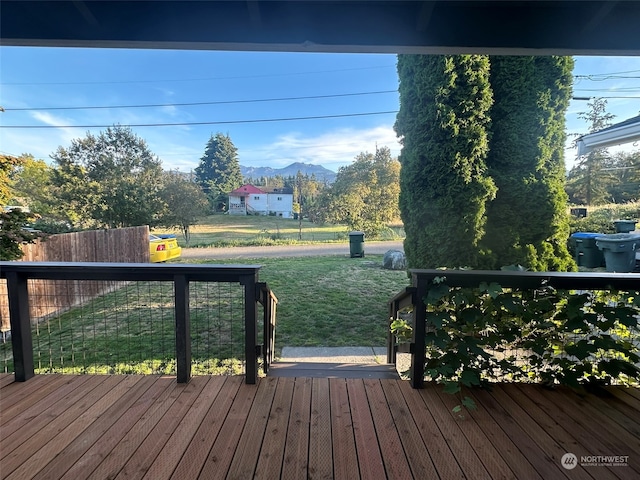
x=251, y=200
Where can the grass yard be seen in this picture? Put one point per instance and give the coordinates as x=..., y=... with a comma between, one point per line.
x=331, y=301
x=323, y=301
x=235, y=230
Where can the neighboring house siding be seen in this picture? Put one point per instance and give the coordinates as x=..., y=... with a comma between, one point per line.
x=282, y=204
x=250, y=200
x=258, y=203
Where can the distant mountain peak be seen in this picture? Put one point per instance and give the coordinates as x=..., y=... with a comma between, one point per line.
x=321, y=173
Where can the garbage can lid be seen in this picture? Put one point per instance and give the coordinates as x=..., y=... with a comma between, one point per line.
x=356, y=233
x=586, y=235
x=618, y=237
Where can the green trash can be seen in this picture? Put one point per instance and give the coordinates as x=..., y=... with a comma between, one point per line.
x=356, y=244
x=624, y=226
x=586, y=252
x=619, y=251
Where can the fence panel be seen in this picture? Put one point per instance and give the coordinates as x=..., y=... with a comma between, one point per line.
x=118, y=245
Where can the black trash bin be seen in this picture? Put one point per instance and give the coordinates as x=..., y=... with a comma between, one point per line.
x=586, y=252
x=356, y=244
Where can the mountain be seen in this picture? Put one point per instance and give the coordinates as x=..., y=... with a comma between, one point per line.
x=321, y=173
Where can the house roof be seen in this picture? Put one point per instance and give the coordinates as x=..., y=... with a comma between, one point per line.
x=277, y=190
x=626, y=131
x=520, y=27
x=246, y=189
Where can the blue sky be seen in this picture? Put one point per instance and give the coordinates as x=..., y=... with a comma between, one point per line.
x=71, y=77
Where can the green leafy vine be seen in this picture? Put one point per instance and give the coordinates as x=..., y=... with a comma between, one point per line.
x=476, y=336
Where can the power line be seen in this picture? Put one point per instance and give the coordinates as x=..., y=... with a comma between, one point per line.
x=613, y=73
x=221, y=102
x=622, y=89
x=222, y=122
x=598, y=78
x=605, y=97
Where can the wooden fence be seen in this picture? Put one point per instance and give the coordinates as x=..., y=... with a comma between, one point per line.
x=121, y=245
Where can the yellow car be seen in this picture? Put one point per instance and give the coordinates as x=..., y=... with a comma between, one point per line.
x=163, y=247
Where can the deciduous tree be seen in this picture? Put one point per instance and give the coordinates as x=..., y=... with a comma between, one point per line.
x=32, y=186
x=185, y=203
x=365, y=193
x=112, y=179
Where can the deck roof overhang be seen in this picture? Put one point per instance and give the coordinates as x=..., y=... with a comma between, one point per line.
x=385, y=26
x=620, y=133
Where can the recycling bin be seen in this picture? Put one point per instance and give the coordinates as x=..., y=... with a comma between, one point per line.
x=587, y=254
x=356, y=244
x=619, y=251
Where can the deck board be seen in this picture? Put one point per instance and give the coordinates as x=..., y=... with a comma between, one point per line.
x=320, y=449
x=296, y=428
x=370, y=461
x=345, y=461
x=451, y=430
x=197, y=451
x=296, y=455
x=395, y=461
x=275, y=438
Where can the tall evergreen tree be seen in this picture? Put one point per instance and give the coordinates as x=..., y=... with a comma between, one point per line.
x=589, y=178
x=527, y=222
x=443, y=121
x=219, y=170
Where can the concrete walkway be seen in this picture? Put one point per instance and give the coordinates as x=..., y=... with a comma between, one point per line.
x=334, y=354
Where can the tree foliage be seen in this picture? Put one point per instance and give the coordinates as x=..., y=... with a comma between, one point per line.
x=8, y=164
x=218, y=172
x=589, y=180
x=184, y=202
x=13, y=235
x=32, y=186
x=443, y=122
x=112, y=179
x=527, y=222
x=365, y=193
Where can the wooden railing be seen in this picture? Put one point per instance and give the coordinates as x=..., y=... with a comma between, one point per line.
x=412, y=300
x=18, y=274
x=269, y=303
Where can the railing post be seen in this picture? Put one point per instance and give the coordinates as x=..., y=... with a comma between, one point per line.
x=20, y=319
x=250, y=328
x=391, y=338
x=419, y=330
x=183, y=328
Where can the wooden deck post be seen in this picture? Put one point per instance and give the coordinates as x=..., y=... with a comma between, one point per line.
x=250, y=327
x=183, y=328
x=419, y=331
x=20, y=319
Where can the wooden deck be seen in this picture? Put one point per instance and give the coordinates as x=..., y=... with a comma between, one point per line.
x=99, y=427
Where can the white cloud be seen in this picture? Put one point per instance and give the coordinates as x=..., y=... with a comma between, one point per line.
x=331, y=149
x=40, y=143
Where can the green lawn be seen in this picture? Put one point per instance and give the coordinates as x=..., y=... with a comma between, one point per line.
x=332, y=301
x=323, y=301
x=231, y=230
